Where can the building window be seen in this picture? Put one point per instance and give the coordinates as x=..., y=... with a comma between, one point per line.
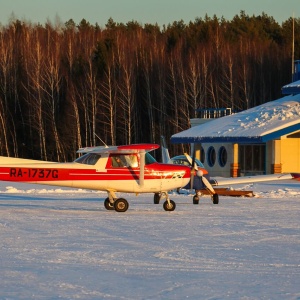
x=252, y=159
x=222, y=156
x=211, y=156
x=202, y=155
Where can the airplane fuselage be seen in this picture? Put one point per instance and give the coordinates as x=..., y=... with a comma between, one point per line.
x=157, y=177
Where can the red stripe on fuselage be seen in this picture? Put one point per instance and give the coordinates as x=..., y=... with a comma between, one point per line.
x=156, y=171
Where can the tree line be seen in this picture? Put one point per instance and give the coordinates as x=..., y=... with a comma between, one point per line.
x=64, y=85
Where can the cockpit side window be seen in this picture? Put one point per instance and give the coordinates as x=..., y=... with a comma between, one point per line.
x=129, y=161
x=117, y=162
x=132, y=160
x=88, y=159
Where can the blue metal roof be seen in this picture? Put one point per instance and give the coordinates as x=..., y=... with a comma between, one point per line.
x=260, y=124
x=239, y=139
x=291, y=88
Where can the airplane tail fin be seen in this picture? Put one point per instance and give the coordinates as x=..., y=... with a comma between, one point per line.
x=164, y=150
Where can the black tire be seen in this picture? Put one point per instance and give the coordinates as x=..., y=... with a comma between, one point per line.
x=169, y=207
x=108, y=205
x=121, y=205
x=215, y=198
x=195, y=199
x=156, y=198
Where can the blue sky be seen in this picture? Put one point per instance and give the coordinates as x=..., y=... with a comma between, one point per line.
x=143, y=11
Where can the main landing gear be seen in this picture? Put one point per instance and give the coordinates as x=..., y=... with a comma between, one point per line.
x=114, y=203
x=121, y=204
x=169, y=205
x=214, y=198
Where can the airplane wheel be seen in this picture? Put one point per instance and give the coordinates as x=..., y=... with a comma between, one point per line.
x=169, y=207
x=121, y=205
x=215, y=198
x=195, y=199
x=156, y=198
x=108, y=205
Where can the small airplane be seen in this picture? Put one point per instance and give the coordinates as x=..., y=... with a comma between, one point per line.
x=200, y=178
x=128, y=169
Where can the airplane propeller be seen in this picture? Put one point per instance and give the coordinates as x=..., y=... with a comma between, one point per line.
x=199, y=173
x=194, y=168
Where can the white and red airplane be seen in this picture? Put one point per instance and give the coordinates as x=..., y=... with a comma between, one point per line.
x=128, y=169
x=200, y=178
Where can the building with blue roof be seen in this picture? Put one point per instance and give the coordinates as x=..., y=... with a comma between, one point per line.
x=261, y=140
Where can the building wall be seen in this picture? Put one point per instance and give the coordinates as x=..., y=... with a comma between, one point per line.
x=272, y=155
x=217, y=169
x=290, y=155
x=282, y=156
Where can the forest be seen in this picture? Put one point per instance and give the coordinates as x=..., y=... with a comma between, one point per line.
x=64, y=85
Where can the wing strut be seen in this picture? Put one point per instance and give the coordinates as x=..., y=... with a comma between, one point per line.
x=142, y=167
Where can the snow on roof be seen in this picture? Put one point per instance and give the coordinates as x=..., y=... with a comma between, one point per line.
x=258, y=124
x=291, y=88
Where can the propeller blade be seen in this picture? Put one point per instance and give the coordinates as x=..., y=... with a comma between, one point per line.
x=190, y=160
x=192, y=178
x=194, y=167
x=208, y=185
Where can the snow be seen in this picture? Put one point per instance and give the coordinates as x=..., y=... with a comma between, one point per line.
x=292, y=84
x=252, y=123
x=63, y=244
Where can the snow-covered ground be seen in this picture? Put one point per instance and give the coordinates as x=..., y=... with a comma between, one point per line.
x=63, y=244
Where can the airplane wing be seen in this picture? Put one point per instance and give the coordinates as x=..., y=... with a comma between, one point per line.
x=4, y=160
x=98, y=149
x=125, y=149
x=251, y=179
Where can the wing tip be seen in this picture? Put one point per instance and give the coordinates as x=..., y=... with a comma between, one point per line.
x=296, y=176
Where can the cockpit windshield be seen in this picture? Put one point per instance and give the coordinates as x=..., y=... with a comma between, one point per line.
x=88, y=159
x=149, y=159
x=182, y=160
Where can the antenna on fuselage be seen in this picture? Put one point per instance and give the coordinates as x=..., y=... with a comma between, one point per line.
x=100, y=140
